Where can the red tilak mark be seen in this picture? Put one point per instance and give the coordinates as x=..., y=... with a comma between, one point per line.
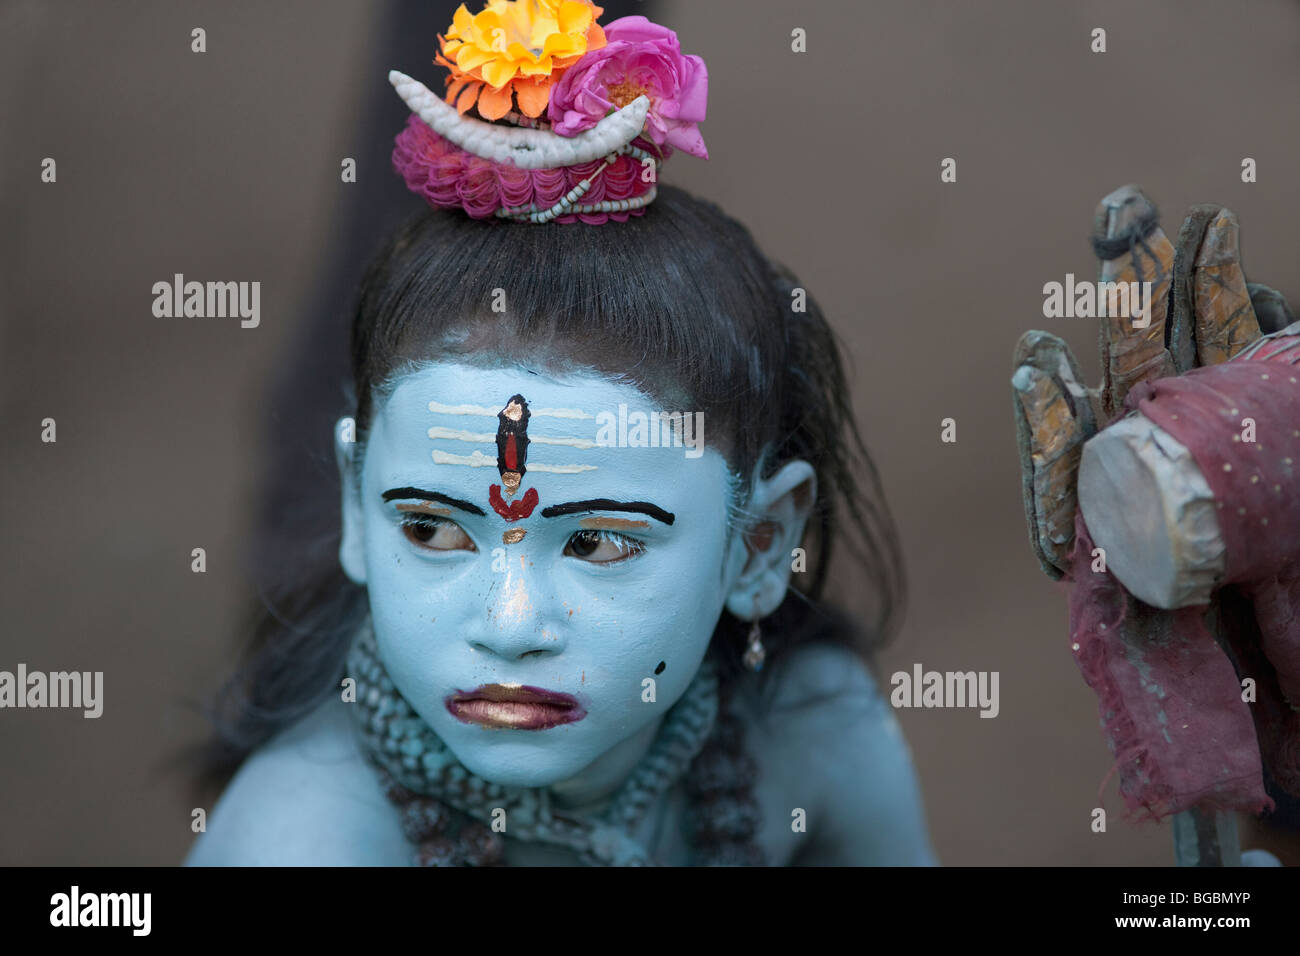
x=512, y=463
x=516, y=509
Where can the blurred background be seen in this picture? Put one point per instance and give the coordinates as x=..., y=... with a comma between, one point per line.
x=225, y=166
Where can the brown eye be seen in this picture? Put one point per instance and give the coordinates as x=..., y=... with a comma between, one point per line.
x=602, y=547
x=434, y=533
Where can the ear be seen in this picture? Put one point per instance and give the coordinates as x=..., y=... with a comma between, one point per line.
x=778, y=513
x=351, y=553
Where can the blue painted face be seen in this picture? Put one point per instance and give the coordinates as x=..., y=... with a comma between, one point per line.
x=522, y=624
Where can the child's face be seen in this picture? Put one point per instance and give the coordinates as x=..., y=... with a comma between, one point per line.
x=578, y=606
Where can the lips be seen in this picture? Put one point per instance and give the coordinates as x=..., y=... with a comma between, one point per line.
x=514, y=706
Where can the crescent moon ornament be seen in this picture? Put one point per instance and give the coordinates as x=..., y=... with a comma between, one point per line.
x=526, y=148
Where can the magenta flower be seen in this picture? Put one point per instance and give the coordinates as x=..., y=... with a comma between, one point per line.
x=638, y=57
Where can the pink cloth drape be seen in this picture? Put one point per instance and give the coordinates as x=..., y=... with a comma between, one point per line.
x=1170, y=697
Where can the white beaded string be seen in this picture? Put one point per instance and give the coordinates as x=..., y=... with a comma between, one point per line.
x=568, y=203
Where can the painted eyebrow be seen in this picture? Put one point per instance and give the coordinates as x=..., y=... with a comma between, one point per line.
x=608, y=504
x=395, y=493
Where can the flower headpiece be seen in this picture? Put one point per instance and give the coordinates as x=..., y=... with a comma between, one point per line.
x=573, y=119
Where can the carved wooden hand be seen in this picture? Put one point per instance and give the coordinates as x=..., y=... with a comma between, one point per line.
x=1201, y=314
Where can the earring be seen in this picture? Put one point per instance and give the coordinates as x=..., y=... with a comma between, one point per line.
x=755, y=654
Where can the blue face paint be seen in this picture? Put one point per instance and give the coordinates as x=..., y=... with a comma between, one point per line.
x=522, y=622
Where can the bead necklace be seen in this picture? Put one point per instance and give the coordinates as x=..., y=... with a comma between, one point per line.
x=447, y=811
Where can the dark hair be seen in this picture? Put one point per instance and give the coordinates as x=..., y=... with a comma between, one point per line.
x=679, y=302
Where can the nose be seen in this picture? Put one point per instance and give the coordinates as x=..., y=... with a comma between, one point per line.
x=515, y=625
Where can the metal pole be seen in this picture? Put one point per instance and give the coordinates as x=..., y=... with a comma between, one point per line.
x=1206, y=838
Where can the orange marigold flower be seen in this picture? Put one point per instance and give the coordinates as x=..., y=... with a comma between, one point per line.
x=511, y=52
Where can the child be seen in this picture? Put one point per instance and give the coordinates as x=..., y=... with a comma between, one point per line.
x=600, y=457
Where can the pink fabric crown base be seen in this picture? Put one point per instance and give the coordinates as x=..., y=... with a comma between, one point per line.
x=448, y=177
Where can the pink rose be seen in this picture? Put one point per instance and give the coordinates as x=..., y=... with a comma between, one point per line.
x=638, y=57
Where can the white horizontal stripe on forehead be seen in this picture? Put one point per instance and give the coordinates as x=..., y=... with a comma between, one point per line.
x=459, y=434
x=480, y=460
x=485, y=410
x=560, y=413
x=488, y=438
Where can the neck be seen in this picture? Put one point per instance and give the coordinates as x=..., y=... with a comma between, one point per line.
x=600, y=779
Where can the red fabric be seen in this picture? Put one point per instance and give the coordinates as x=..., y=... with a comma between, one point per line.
x=1170, y=698
x=1170, y=703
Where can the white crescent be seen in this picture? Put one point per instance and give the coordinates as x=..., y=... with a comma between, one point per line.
x=526, y=148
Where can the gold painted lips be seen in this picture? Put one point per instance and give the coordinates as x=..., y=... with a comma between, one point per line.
x=515, y=707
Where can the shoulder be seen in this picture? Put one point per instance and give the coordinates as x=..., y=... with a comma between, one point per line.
x=814, y=673
x=306, y=798
x=828, y=738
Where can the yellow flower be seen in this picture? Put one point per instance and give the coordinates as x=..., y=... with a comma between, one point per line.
x=512, y=51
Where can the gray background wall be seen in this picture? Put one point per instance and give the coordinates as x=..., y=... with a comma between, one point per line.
x=225, y=166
